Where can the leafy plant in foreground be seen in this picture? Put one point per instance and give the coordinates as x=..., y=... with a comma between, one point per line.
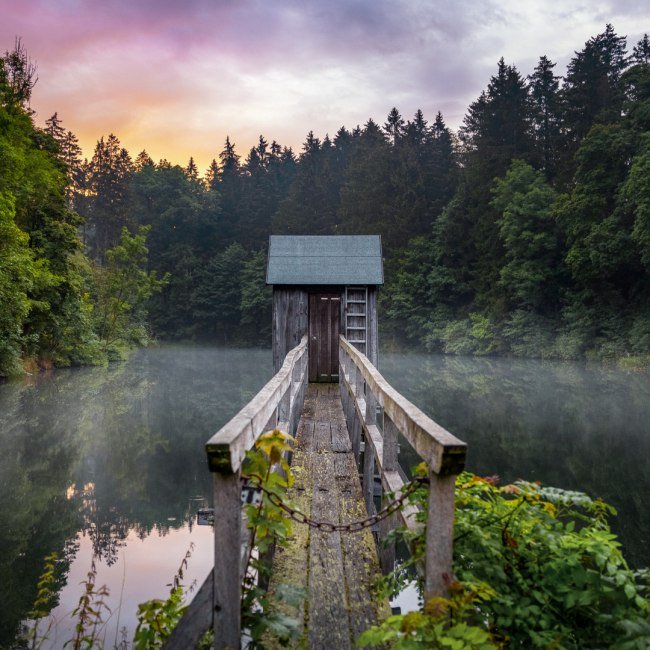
x=266, y=467
x=89, y=613
x=45, y=600
x=157, y=618
x=536, y=567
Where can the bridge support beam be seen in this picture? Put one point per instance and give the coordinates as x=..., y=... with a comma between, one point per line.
x=439, y=536
x=227, y=578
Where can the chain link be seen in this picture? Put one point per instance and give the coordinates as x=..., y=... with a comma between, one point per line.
x=353, y=526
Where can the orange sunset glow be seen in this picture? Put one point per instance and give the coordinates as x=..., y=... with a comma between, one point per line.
x=175, y=78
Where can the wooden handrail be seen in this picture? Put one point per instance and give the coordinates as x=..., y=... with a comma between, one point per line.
x=227, y=448
x=363, y=389
x=278, y=404
x=444, y=453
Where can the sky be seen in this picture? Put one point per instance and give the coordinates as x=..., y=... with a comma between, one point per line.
x=175, y=77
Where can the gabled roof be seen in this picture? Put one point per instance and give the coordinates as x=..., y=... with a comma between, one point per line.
x=337, y=259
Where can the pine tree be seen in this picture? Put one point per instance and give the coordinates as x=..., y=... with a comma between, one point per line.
x=545, y=115
x=496, y=130
x=394, y=126
x=143, y=159
x=416, y=130
x=230, y=184
x=54, y=129
x=192, y=171
x=592, y=90
x=108, y=206
x=212, y=176
x=311, y=204
x=71, y=157
x=641, y=51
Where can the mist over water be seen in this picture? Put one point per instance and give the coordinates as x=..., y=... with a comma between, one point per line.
x=564, y=424
x=110, y=461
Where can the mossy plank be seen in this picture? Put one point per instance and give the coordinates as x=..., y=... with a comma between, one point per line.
x=322, y=436
x=336, y=569
x=360, y=561
x=327, y=602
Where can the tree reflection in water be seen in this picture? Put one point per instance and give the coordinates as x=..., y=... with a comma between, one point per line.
x=564, y=424
x=108, y=454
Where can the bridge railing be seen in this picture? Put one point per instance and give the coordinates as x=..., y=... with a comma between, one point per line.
x=376, y=413
x=217, y=604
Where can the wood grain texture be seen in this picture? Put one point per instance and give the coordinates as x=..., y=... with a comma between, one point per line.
x=227, y=448
x=289, y=322
x=227, y=545
x=335, y=569
x=440, y=449
x=439, y=536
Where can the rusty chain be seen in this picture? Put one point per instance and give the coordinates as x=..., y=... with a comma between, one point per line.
x=351, y=527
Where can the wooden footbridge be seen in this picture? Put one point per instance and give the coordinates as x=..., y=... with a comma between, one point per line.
x=347, y=421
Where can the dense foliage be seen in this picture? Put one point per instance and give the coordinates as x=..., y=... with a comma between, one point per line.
x=526, y=233
x=535, y=567
x=54, y=302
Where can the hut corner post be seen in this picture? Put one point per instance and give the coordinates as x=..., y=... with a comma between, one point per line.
x=444, y=453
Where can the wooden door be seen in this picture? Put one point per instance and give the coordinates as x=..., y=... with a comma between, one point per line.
x=324, y=327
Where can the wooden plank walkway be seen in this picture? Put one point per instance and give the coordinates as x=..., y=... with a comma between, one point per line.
x=336, y=570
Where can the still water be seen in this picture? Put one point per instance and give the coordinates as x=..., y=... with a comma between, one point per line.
x=564, y=424
x=109, y=463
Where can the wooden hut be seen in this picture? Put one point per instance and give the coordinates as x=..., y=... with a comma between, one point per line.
x=324, y=285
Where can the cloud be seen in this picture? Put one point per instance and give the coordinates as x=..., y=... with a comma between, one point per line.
x=175, y=78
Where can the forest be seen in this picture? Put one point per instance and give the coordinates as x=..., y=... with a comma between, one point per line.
x=526, y=233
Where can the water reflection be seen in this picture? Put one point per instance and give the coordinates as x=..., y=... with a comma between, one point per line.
x=99, y=458
x=562, y=424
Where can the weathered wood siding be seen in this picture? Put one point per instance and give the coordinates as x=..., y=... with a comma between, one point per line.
x=373, y=335
x=290, y=321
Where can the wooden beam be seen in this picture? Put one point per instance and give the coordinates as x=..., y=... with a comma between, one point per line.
x=227, y=545
x=439, y=536
x=227, y=448
x=444, y=453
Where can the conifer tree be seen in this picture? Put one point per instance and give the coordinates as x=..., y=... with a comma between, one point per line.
x=394, y=126
x=592, y=90
x=641, y=51
x=212, y=176
x=54, y=129
x=545, y=115
x=108, y=205
x=230, y=183
x=192, y=171
x=142, y=160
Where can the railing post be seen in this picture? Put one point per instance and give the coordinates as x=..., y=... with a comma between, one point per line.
x=439, y=535
x=354, y=426
x=284, y=407
x=368, y=456
x=390, y=464
x=227, y=548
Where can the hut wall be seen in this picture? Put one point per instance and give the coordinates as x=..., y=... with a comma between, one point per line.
x=290, y=321
x=373, y=334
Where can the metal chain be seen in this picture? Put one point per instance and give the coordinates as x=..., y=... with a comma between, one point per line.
x=353, y=526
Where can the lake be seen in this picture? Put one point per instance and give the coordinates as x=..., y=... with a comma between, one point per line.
x=109, y=462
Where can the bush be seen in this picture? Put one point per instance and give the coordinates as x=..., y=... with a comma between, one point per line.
x=535, y=567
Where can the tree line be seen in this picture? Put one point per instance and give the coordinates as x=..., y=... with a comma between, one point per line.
x=57, y=305
x=525, y=233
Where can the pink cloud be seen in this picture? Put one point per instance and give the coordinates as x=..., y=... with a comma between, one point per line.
x=176, y=77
